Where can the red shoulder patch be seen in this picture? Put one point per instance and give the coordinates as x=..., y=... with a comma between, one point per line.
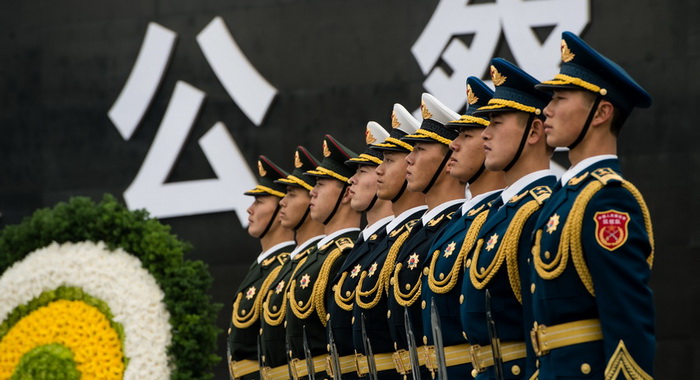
x=611, y=228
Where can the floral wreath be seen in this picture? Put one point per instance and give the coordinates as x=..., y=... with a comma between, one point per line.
x=95, y=291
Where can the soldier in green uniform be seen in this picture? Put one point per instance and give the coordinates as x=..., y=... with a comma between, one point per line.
x=593, y=251
x=276, y=242
x=294, y=214
x=363, y=189
x=309, y=285
x=376, y=267
x=514, y=142
x=427, y=173
x=444, y=273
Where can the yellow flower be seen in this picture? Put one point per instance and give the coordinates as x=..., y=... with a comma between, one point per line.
x=80, y=327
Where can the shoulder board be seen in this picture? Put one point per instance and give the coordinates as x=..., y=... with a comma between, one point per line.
x=541, y=193
x=344, y=243
x=475, y=211
x=435, y=221
x=449, y=216
x=576, y=180
x=606, y=175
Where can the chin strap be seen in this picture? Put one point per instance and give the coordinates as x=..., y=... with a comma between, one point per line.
x=477, y=174
x=303, y=218
x=371, y=204
x=272, y=220
x=584, y=130
x=528, y=127
x=438, y=171
x=400, y=193
x=337, y=204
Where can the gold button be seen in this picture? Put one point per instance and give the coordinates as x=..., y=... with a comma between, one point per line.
x=274, y=308
x=474, y=373
x=348, y=293
x=442, y=276
x=243, y=312
x=328, y=316
x=461, y=299
x=547, y=255
x=408, y=286
x=353, y=320
x=422, y=305
x=392, y=282
x=335, y=287
x=515, y=370
x=481, y=270
x=532, y=288
x=425, y=339
x=388, y=314
x=301, y=303
x=585, y=368
x=469, y=262
x=426, y=270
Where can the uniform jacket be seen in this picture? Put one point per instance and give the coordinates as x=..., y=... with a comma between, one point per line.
x=602, y=273
x=499, y=263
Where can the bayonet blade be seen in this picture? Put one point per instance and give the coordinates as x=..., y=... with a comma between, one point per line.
x=261, y=358
x=412, y=349
x=437, y=338
x=368, y=350
x=495, y=342
x=288, y=355
x=335, y=361
x=307, y=355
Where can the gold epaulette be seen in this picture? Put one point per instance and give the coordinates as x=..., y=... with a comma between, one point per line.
x=541, y=193
x=605, y=175
x=344, y=243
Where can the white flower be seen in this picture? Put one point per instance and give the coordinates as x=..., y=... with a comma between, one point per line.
x=115, y=277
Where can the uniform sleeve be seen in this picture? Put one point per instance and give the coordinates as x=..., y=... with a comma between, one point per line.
x=616, y=246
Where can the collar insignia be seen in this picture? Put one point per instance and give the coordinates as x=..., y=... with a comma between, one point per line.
x=553, y=223
x=305, y=281
x=413, y=261
x=492, y=242
x=450, y=248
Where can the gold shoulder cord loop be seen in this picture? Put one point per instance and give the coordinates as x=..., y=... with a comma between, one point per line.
x=276, y=318
x=243, y=322
x=409, y=298
x=344, y=303
x=647, y=217
x=383, y=280
x=319, y=291
x=448, y=283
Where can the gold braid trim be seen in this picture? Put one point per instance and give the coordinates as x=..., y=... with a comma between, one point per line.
x=560, y=79
x=622, y=363
x=448, y=283
x=344, y=303
x=508, y=249
x=501, y=103
x=242, y=322
x=384, y=275
x=405, y=299
x=323, y=171
x=422, y=133
x=265, y=189
x=570, y=240
x=276, y=319
x=319, y=291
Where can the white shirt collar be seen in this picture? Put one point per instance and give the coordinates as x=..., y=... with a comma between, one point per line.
x=334, y=235
x=401, y=218
x=430, y=214
x=372, y=228
x=513, y=190
x=578, y=168
x=468, y=205
x=301, y=247
x=272, y=249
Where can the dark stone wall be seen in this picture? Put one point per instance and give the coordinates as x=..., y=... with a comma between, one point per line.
x=336, y=64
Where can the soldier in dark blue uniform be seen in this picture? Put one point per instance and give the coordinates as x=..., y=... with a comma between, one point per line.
x=515, y=143
x=593, y=251
x=376, y=267
x=363, y=189
x=427, y=173
x=309, y=285
x=276, y=242
x=294, y=214
x=443, y=272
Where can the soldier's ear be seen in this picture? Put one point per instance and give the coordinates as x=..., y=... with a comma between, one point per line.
x=536, y=131
x=604, y=113
x=346, y=195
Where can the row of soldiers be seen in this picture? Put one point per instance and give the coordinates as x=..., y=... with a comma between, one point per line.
x=529, y=277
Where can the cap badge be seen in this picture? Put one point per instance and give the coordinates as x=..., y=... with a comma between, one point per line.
x=261, y=170
x=424, y=111
x=326, y=151
x=471, y=98
x=497, y=78
x=566, y=54
x=369, y=137
x=394, y=120
x=297, y=160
